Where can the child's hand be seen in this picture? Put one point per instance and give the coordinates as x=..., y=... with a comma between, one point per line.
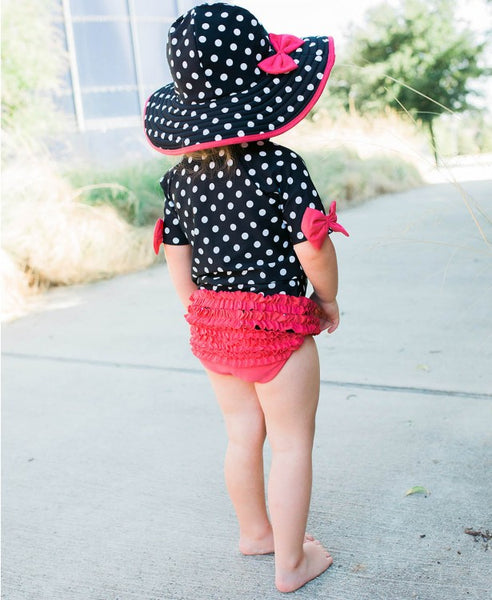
x=331, y=315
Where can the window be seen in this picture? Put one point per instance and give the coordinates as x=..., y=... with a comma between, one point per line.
x=117, y=58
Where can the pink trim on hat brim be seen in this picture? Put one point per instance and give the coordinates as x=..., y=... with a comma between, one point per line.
x=258, y=136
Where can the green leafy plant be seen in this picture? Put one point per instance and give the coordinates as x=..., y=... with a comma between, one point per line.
x=411, y=57
x=33, y=62
x=133, y=190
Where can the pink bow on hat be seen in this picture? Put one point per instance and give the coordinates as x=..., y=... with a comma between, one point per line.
x=281, y=62
x=158, y=235
x=316, y=226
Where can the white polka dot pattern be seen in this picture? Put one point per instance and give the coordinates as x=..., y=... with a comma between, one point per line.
x=218, y=92
x=244, y=224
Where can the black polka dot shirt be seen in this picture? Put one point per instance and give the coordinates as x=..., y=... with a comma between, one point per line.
x=243, y=221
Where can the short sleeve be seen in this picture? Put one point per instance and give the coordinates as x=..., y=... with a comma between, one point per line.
x=298, y=193
x=173, y=234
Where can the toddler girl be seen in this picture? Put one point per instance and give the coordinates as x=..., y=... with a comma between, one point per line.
x=243, y=231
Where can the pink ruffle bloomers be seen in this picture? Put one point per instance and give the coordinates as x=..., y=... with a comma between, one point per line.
x=249, y=335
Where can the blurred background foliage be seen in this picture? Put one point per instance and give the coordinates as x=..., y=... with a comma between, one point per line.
x=408, y=70
x=414, y=59
x=33, y=61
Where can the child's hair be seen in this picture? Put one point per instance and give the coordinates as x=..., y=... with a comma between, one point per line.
x=211, y=160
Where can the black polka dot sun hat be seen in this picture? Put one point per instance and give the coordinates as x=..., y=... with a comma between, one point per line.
x=232, y=81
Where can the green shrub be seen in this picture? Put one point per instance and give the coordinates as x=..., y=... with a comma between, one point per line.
x=134, y=190
x=343, y=176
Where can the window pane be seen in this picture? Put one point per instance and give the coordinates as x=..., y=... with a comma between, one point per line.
x=82, y=8
x=104, y=54
x=155, y=8
x=152, y=38
x=110, y=104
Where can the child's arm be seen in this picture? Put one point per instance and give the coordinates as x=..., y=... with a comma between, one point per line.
x=321, y=269
x=178, y=260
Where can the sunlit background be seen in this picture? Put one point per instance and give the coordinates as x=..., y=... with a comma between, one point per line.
x=317, y=17
x=116, y=51
x=76, y=75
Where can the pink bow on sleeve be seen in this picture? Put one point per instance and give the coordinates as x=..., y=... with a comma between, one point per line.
x=281, y=62
x=316, y=226
x=158, y=235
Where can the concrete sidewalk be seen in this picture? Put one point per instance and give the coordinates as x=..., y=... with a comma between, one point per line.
x=113, y=444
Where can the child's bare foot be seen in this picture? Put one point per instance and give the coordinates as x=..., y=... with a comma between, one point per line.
x=315, y=561
x=260, y=545
x=263, y=545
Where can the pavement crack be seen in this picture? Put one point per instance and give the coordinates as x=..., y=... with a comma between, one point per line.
x=191, y=371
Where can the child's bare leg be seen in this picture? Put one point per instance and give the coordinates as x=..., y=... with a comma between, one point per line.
x=244, y=473
x=289, y=403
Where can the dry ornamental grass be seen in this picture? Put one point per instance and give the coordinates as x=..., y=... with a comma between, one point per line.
x=49, y=238
x=100, y=225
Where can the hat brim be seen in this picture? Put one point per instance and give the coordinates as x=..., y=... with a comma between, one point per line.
x=270, y=106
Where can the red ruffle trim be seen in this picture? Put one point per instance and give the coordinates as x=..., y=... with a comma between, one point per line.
x=244, y=329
